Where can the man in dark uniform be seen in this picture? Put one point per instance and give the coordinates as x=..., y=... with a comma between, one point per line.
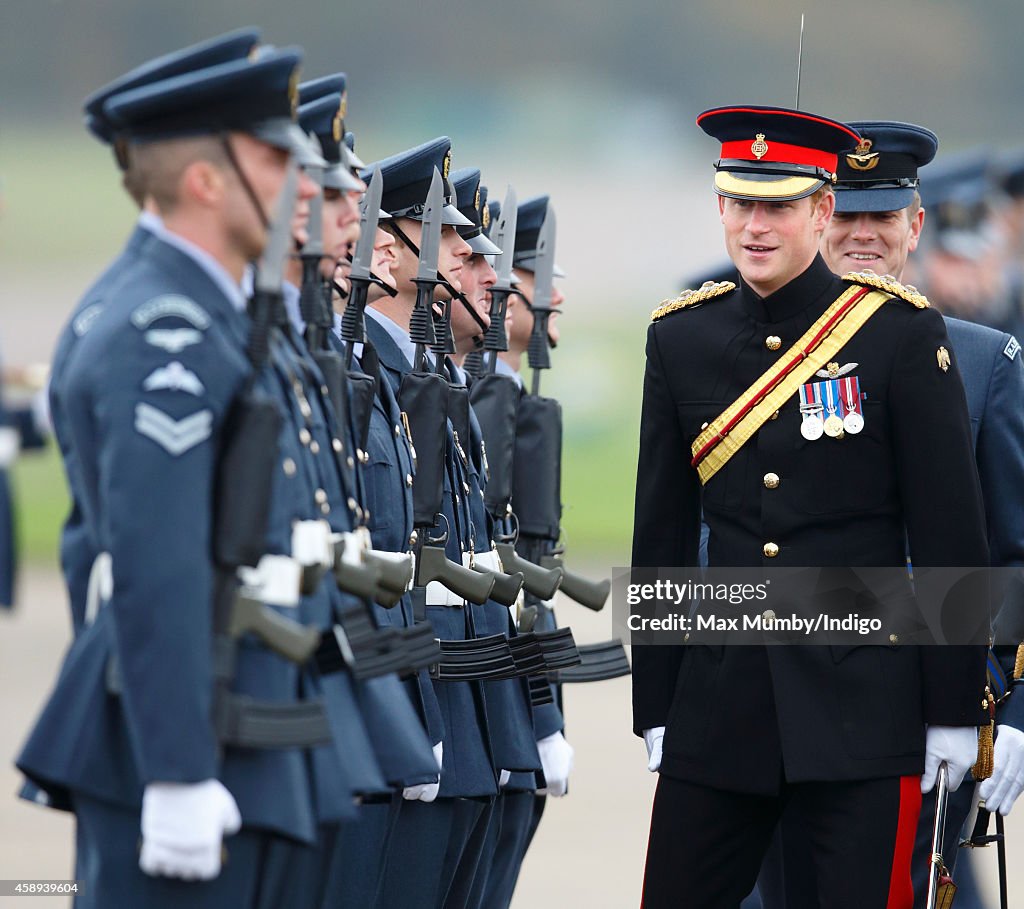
x=839, y=735
x=877, y=225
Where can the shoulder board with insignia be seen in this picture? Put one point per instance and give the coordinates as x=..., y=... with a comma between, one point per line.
x=707, y=291
x=890, y=285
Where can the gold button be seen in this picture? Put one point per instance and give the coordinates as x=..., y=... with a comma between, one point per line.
x=350, y=463
x=289, y=467
x=320, y=496
x=360, y=517
x=771, y=480
x=408, y=480
x=364, y=457
x=325, y=391
x=773, y=342
x=336, y=445
x=771, y=550
x=304, y=436
x=774, y=416
x=398, y=430
x=894, y=638
x=768, y=615
x=353, y=505
x=314, y=446
x=325, y=508
x=465, y=487
x=413, y=537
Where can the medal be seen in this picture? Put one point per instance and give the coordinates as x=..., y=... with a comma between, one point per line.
x=833, y=423
x=812, y=427
x=853, y=420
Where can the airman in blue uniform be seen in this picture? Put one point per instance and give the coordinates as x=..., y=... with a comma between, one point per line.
x=165, y=708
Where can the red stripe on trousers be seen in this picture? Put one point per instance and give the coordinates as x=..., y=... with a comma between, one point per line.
x=901, y=890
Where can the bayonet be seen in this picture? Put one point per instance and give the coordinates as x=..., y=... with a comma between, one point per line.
x=504, y=236
x=421, y=325
x=538, y=353
x=352, y=322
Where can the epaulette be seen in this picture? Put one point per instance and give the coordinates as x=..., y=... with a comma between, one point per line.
x=890, y=285
x=707, y=291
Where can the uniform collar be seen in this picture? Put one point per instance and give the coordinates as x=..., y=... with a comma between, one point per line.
x=791, y=299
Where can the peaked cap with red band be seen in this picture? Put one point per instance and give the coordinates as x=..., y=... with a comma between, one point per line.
x=773, y=153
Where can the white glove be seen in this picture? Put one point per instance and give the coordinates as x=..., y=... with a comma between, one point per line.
x=652, y=739
x=1001, y=789
x=183, y=825
x=556, y=759
x=957, y=746
x=503, y=779
x=427, y=792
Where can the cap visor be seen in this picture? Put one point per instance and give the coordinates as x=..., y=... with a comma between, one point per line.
x=529, y=263
x=350, y=158
x=340, y=177
x=451, y=215
x=889, y=199
x=482, y=246
x=765, y=187
x=287, y=135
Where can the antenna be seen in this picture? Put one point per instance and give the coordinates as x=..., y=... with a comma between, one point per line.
x=799, y=61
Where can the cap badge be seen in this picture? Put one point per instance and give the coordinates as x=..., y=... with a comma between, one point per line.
x=942, y=355
x=485, y=216
x=476, y=199
x=344, y=105
x=862, y=158
x=293, y=91
x=759, y=147
x=336, y=126
x=447, y=165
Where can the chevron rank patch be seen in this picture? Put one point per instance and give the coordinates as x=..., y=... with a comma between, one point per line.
x=174, y=436
x=1012, y=346
x=174, y=377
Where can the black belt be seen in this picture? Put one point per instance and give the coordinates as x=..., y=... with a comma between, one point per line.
x=475, y=659
x=599, y=662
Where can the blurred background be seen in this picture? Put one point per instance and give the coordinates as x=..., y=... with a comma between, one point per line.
x=592, y=103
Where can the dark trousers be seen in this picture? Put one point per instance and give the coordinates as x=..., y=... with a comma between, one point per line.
x=706, y=845
x=262, y=871
x=466, y=847
x=416, y=855
x=516, y=823
x=787, y=874
x=358, y=856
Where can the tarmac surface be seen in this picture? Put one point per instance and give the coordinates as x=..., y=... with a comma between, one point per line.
x=589, y=850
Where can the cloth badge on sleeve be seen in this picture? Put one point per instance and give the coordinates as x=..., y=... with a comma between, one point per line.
x=173, y=340
x=83, y=321
x=1012, y=346
x=167, y=306
x=174, y=377
x=174, y=436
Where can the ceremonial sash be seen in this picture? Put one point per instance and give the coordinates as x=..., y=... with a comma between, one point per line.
x=731, y=430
